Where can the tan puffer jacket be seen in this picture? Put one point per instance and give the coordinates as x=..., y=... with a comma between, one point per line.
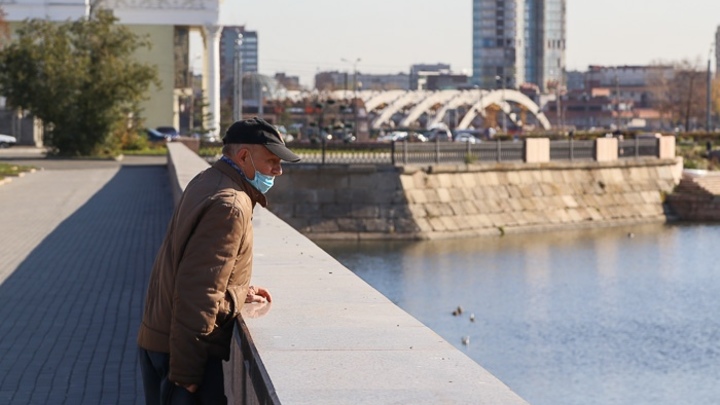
x=202, y=272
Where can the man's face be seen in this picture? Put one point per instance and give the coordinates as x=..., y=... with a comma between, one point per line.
x=258, y=157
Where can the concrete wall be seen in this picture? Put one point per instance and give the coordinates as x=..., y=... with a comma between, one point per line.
x=330, y=338
x=386, y=202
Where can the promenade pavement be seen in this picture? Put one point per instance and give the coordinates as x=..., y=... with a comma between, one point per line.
x=77, y=241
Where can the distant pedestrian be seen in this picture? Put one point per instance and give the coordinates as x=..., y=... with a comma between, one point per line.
x=201, y=275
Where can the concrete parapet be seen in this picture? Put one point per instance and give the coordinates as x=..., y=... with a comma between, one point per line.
x=192, y=143
x=328, y=337
x=183, y=165
x=606, y=149
x=537, y=150
x=667, y=147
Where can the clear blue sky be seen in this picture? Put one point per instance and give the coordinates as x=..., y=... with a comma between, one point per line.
x=302, y=37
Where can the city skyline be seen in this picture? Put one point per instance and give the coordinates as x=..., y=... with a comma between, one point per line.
x=303, y=38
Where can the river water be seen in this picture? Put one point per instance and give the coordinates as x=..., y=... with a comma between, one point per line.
x=608, y=316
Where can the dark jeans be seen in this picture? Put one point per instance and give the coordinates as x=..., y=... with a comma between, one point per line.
x=161, y=391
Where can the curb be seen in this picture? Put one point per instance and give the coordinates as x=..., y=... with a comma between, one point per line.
x=9, y=178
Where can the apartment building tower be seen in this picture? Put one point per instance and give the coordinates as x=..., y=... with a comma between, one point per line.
x=248, y=56
x=518, y=41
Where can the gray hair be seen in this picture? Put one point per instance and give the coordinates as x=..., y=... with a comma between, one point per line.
x=231, y=149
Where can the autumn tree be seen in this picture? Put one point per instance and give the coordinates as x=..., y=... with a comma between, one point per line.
x=78, y=77
x=680, y=93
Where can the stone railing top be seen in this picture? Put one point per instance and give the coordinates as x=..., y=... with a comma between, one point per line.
x=330, y=338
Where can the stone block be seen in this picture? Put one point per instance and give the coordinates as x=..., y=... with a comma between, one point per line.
x=502, y=191
x=282, y=210
x=364, y=211
x=490, y=193
x=417, y=196
x=443, y=195
x=457, y=208
x=526, y=204
x=444, y=180
x=445, y=210
x=325, y=226
x=513, y=191
x=469, y=207
x=548, y=189
x=407, y=225
x=547, y=176
x=526, y=191
x=493, y=205
x=307, y=211
x=319, y=180
x=450, y=223
x=594, y=214
x=437, y=224
x=418, y=211
x=301, y=224
x=512, y=177
x=378, y=225
x=350, y=225
x=569, y=201
x=378, y=182
x=563, y=216
x=652, y=197
x=407, y=182
x=468, y=180
x=491, y=179
x=422, y=224
x=457, y=194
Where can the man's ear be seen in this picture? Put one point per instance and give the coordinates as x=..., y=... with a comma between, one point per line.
x=241, y=155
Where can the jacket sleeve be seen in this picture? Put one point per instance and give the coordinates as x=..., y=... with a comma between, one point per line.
x=200, y=287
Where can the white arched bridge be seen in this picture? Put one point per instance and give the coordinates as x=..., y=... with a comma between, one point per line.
x=412, y=108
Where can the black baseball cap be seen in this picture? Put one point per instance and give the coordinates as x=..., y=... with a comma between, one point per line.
x=257, y=131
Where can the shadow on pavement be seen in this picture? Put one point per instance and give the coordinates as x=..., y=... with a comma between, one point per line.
x=70, y=311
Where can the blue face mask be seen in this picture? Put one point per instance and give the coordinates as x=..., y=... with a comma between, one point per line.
x=261, y=182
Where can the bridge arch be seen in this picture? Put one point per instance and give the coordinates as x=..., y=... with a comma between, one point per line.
x=409, y=98
x=501, y=98
x=425, y=105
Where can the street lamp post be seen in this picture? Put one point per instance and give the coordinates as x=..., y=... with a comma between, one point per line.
x=480, y=102
x=237, y=95
x=708, y=116
x=355, y=95
x=501, y=81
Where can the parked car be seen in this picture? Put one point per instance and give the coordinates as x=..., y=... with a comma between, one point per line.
x=394, y=136
x=440, y=133
x=156, y=136
x=208, y=137
x=171, y=132
x=465, y=137
x=7, y=141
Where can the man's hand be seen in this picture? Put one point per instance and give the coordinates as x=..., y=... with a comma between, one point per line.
x=190, y=387
x=258, y=294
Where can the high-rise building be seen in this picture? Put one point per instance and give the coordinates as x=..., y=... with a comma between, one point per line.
x=518, y=41
x=248, y=56
x=717, y=52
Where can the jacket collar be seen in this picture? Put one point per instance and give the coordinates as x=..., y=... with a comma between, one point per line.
x=255, y=196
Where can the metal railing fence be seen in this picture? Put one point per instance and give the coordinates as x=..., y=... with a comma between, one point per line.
x=405, y=153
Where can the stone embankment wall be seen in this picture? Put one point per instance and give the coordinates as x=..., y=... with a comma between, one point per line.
x=386, y=202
